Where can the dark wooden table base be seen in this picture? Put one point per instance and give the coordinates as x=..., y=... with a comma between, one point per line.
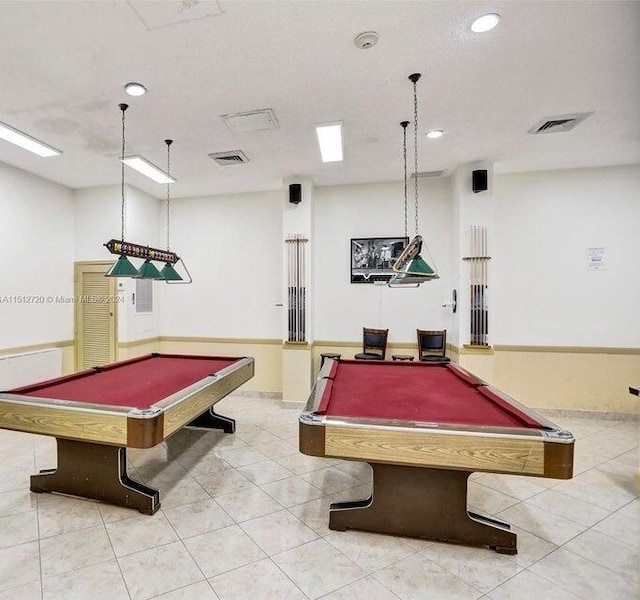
x=423, y=503
x=99, y=471
x=96, y=471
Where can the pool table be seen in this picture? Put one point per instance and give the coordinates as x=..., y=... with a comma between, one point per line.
x=97, y=414
x=424, y=428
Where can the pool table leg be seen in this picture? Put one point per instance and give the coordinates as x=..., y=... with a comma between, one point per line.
x=424, y=503
x=96, y=471
x=212, y=420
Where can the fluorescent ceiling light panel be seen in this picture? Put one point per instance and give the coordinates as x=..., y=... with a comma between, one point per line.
x=27, y=142
x=142, y=165
x=330, y=141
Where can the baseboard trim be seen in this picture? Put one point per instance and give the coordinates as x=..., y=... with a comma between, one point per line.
x=588, y=414
x=292, y=404
x=258, y=394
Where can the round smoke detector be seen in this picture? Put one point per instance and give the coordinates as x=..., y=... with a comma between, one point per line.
x=366, y=39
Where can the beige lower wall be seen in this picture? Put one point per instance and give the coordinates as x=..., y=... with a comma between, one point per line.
x=266, y=353
x=480, y=361
x=297, y=372
x=588, y=379
x=68, y=359
x=127, y=350
x=571, y=379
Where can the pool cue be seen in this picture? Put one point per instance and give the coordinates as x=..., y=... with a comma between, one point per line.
x=484, y=285
x=304, y=294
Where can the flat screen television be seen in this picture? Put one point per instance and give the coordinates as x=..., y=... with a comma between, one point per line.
x=372, y=258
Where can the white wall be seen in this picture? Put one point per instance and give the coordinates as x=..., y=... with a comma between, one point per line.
x=97, y=220
x=453, y=330
x=232, y=246
x=36, y=250
x=543, y=293
x=377, y=210
x=97, y=212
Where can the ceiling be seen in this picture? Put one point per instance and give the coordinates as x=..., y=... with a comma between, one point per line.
x=64, y=65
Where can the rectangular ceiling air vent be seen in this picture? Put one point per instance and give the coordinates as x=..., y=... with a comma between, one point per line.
x=560, y=123
x=424, y=174
x=232, y=157
x=252, y=120
x=158, y=15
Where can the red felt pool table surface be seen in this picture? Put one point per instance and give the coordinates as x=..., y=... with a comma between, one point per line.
x=416, y=392
x=138, y=383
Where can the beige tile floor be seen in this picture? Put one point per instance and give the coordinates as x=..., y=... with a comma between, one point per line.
x=244, y=517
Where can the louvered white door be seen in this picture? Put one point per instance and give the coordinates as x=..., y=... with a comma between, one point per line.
x=95, y=315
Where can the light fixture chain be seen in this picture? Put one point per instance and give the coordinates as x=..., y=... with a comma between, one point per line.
x=415, y=148
x=168, y=142
x=122, y=215
x=404, y=152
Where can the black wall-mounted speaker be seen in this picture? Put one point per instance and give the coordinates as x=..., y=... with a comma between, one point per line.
x=479, y=181
x=295, y=193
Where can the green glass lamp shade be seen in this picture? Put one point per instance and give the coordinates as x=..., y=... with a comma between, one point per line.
x=122, y=268
x=415, y=272
x=168, y=273
x=417, y=266
x=148, y=271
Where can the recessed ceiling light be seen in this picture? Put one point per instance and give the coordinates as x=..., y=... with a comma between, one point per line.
x=485, y=23
x=435, y=134
x=135, y=89
x=25, y=141
x=330, y=141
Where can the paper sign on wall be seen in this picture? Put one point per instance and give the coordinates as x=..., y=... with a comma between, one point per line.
x=596, y=259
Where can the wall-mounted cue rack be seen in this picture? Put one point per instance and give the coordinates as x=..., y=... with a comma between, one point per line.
x=296, y=288
x=479, y=306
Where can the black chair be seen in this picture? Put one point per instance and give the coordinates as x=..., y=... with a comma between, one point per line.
x=432, y=346
x=374, y=344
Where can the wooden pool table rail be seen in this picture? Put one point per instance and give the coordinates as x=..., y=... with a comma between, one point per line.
x=444, y=448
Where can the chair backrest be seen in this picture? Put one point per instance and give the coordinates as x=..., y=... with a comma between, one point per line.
x=432, y=343
x=374, y=341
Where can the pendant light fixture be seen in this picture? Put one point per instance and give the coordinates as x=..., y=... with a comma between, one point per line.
x=397, y=278
x=168, y=272
x=123, y=266
x=411, y=268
